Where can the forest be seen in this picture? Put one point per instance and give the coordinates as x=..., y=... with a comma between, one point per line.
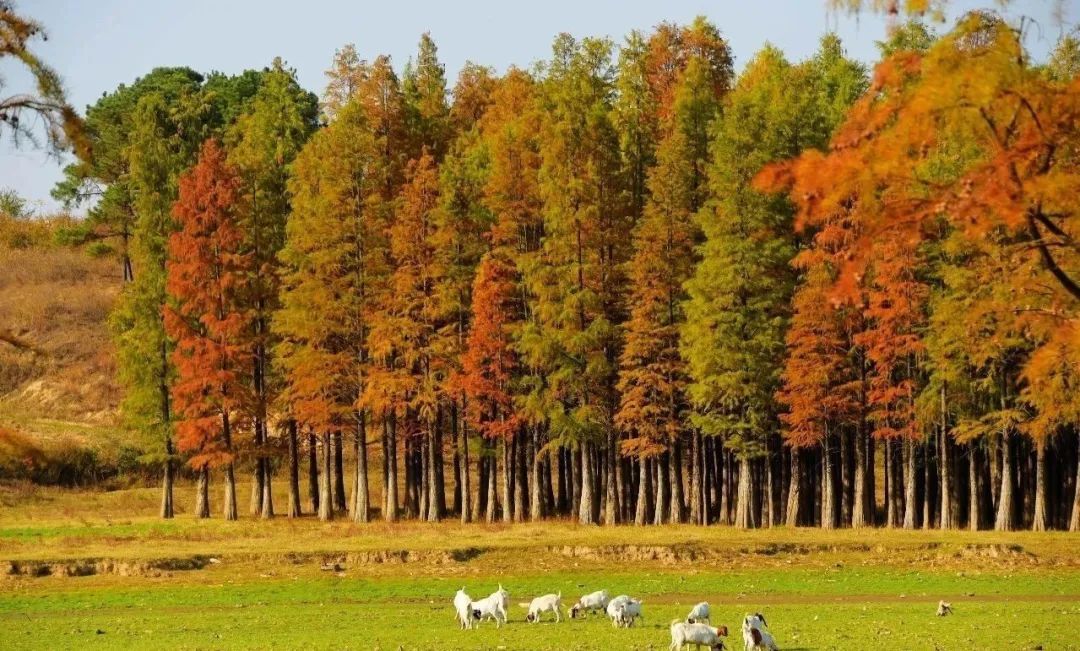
x=622, y=285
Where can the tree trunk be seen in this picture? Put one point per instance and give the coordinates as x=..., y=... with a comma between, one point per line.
x=326, y=497
x=313, y=473
x=585, y=506
x=945, y=470
x=390, y=489
x=255, y=503
x=928, y=481
x=294, y=470
x=871, y=479
x=492, y=500
x=1005, y=518
x=536, y=468
x=911, y=504
x=611, y=494
x=507, y=478
x=455, y=435
x=725, y=483
x=202, y=492
x=339, y=474
x=266, y=511
x=168, y=509
x=794, y=490
x=846, y=488
x=994, y=455
x=438, y=461
x=744, y=518
x=466, y=480
x=1074, y=520
x=675, y=469
x=661, y=486
x=975, y=508
x=771, y=504
x=361, y=500
x=641, y=508
x=230, y=511
x=577, y=475
x=828, y=484
x=860, y=508
x=892, y=486
x=696, y=479
x=434, y=501
x=1038, y=521
x=521, y=491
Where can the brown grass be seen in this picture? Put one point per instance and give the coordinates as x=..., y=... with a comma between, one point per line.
x=57, y=301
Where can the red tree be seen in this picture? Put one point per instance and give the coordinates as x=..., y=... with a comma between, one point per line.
x=205, y=316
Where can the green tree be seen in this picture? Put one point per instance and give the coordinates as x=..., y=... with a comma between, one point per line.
x=264, y=141
x=578, y=279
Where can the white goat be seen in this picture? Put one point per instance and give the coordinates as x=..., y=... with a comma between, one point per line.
x=626, y=612
x=944, y=608
x=755, y=637
x=697, y=634
x=590, y=603
x=699, y=614
x=461, y=607
x=552, y=602
x=493, y=606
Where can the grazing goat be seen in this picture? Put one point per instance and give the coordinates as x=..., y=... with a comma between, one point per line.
x=755, y=637
x=552, y=602
x=697, y=634
x=590, y=603
x=699, y=614
x=461, y=607
x=493, y=606
x=624, y=611
x=944, y=608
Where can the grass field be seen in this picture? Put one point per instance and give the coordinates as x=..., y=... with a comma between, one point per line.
x=263, y=584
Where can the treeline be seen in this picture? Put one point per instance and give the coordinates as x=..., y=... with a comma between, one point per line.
x=622, y=286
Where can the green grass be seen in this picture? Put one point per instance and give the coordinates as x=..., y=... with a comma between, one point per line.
x=874, y=589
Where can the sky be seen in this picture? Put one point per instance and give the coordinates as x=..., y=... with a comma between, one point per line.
x=96, y=46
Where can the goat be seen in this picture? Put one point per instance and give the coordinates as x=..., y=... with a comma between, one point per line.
x=755, y=637
x=552, y=602
x=625, y=612
x=590, y=603
x=698, y=614
x=697, y=634
x=461, y=607
x=944, y=608
x=493, y=606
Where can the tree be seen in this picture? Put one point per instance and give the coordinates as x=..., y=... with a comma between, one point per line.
x=511, y=194
x=334, y=255
x=103, y=171
x=973, y=85
x=208, y=319
x=346, y=76
x=265, y=140
x=577, y=281
x=427, y=111
x=20, y=113
x=652, y=380
x=164, y=142
x=737, y=313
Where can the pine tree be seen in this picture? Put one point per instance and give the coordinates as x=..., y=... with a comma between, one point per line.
x=265, y=141
x=652, y=381
x=577, y=280
x=737, y=314
x=208, y=319
x=335, y=258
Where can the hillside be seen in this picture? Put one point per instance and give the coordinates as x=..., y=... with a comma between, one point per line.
x=58, y=387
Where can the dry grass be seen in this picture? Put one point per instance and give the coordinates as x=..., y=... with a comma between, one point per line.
x=57, y=300
x=37, y=522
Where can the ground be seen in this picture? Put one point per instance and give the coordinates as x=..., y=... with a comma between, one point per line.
x=142, y=583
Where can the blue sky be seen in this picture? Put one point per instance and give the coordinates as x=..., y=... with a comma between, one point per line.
x=98, y=45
